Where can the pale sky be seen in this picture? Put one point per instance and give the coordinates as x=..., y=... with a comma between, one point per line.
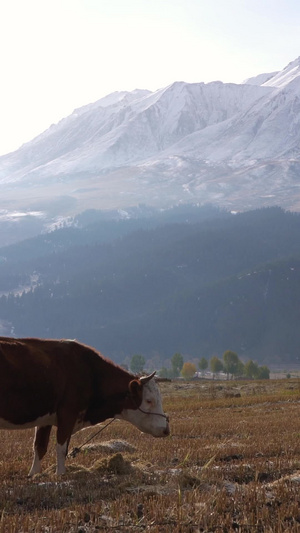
x=57, y=55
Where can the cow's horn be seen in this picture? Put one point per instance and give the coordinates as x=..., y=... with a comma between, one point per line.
x=145, y=379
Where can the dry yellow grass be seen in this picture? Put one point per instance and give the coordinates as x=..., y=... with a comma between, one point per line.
x=230, y=465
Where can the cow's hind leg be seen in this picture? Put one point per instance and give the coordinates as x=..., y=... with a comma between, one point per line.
x=40, y=446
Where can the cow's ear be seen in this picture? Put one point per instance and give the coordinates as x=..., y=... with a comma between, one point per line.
x=136, y=390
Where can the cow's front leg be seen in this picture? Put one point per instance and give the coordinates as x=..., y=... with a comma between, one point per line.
x=40, y=446
x=61, y=453
x=65, y=425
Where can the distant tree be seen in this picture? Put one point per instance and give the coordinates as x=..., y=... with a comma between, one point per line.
x=188, y=370
x=251, y=369
x=240, y=371
x=216, y=365
x=177, y=364
x=137, y=363
x=232, y=363
x=263, y=372
x=203, y=364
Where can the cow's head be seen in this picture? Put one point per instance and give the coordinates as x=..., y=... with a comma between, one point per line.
x=144, y=409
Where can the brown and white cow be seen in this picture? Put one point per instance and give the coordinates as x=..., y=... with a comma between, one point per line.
x=63, y=383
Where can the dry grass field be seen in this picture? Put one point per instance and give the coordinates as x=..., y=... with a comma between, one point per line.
x=232, y=464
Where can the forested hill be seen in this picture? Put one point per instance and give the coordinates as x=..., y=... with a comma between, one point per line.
x=195, y=280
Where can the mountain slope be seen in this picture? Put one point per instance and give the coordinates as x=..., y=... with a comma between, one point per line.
x=128, y=129
x=286, y=76
x=234, y=145
x=200, y=288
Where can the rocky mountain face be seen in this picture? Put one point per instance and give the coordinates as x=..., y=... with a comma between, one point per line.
x=236, y=146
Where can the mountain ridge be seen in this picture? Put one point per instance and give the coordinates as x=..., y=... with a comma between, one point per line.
x=234, y=145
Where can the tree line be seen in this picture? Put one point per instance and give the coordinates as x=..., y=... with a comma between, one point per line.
x=230, y=364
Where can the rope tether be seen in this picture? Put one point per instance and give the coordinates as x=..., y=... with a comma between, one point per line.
x=76, y=450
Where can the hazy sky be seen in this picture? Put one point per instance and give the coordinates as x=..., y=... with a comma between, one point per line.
x=57, y=55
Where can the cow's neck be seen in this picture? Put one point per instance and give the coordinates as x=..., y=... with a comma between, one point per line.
x=114, y=379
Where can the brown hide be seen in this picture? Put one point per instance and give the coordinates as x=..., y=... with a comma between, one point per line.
x=38, y=377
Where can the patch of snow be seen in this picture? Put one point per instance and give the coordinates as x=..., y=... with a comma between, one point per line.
x=124, y=215
x=57, y=223
x=16, y=215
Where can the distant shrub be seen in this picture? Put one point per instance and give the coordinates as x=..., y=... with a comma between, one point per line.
x=177, y=364
x=263, y=372
x=203, y=364
x=216, y=365
x=188, y=370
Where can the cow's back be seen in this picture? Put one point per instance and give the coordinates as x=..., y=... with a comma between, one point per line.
x=37, y=376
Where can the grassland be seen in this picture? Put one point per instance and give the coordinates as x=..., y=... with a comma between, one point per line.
x=232, y=464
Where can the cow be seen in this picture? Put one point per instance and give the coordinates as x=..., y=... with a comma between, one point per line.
x=67, y=384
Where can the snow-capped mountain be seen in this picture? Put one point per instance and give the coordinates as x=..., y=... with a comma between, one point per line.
x=234, y=145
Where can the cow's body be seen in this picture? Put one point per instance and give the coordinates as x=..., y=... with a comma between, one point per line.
x=71, y=386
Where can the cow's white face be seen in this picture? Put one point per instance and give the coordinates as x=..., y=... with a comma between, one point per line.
x=149, y=417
